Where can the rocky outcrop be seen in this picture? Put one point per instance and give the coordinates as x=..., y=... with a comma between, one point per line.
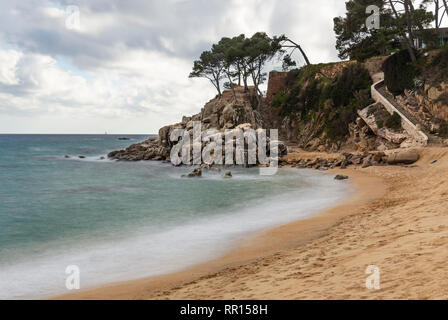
x=222, y=114
x=428, y=104
x=346, y=159
x=151, y=149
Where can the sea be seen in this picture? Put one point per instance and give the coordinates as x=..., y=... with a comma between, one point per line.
x=113, y=220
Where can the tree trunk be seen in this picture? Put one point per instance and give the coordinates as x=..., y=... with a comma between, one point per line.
x=409, y=44
x=436, y=14
x=231, y=86
x=304, y=55
x=238, y=67
x=301, y=51
x=257, y=91
x=218, y=87
x=409, y=21
x=445, y=4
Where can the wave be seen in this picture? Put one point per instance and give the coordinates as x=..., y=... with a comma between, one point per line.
x=154, y=251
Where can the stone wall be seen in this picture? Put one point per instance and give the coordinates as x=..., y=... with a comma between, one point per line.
x=276, y=84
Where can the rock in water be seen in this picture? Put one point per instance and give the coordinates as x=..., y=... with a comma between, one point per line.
x=82, y=157
x=228, y=174
x=194, y=174
x=341, y=177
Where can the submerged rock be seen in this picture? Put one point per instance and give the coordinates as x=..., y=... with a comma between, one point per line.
x=227, y=175
x=194, y=174
x=340, y=177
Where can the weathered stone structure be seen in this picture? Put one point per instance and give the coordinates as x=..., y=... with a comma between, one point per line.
x=276, y=84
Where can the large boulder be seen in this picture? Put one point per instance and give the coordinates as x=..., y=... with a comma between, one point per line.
x=405, y=157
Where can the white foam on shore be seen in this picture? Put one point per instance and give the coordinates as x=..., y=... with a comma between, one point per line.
x=154, y=253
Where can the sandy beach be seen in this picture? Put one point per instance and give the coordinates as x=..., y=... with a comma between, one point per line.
x=397, y=221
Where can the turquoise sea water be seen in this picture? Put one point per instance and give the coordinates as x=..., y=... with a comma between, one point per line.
x=125, y=220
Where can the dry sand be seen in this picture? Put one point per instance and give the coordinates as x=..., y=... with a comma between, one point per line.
x=397, y=221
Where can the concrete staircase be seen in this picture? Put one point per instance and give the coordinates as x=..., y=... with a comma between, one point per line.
x=409, y=123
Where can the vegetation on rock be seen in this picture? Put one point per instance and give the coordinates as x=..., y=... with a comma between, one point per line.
x=439, y=66
x=309, y=94
x=400, y=72
x=393, y=121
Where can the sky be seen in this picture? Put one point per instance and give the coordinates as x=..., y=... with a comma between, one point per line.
x=95, y=66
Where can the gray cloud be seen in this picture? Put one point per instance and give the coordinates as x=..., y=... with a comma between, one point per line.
x=131, y=59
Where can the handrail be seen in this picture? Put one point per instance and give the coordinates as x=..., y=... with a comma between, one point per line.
x=378, y=97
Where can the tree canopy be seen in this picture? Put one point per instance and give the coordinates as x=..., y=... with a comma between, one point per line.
x=238, y=60
x=400, y=24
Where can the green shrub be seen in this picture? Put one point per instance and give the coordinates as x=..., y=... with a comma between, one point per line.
x=352, y=79
x=394, y=121
x=399, y=72
x=279, y=99
x=380, y=123
x=349, y=92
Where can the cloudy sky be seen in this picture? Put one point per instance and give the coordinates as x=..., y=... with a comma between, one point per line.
x=124, y=68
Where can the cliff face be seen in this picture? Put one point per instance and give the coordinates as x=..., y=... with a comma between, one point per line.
x=427, y=99
x=312, y=107
x=317, y=108
x=428, y=104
